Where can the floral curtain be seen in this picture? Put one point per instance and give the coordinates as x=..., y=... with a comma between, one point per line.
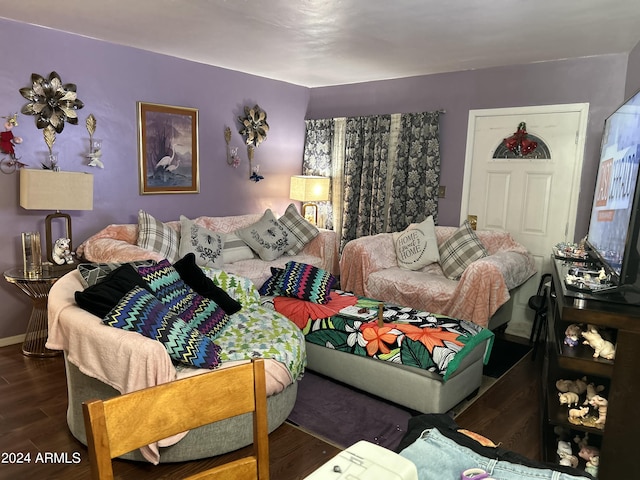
x=317, y=160
x=416, y=177
x=365, y=176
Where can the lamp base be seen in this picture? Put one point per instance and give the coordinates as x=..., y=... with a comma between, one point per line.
x=50, y=242
x=310, y=212
x=59, y=269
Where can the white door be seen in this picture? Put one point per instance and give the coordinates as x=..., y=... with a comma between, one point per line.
x=533, y=199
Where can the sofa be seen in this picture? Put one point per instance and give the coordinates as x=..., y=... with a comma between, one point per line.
x=119, y=242
x=369, y=266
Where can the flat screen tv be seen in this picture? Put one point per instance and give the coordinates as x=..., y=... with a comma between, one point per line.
x=615, y=216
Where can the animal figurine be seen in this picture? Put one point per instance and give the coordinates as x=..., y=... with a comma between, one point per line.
x=588, y=452
x=564, y=448
x=592, y=466
x=576, y=414
x=61, y=253
x=603, y=348
x=578, y=386
x=572, y=335
x=601, y=404
x=568, y=460
x=592, y=391
x=569, y=398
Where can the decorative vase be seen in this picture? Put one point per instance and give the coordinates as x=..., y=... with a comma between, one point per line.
x=31, y=254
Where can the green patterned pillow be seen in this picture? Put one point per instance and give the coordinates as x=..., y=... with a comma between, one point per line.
x=239, y=288
x=139, y=311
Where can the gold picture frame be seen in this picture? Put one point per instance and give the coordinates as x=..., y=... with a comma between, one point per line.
x=167, y=149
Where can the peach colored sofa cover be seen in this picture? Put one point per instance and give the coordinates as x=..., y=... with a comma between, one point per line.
x=117, y=243
x=368, y=267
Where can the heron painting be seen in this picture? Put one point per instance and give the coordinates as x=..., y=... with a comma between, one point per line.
x=168, y=149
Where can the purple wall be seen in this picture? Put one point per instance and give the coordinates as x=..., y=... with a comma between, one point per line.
x=600, y=81
x=110, y=80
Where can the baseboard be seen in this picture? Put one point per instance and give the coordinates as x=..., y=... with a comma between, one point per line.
x=5, y=342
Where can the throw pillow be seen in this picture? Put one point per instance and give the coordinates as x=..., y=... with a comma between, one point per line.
x=235, y=249
x=139, y=311
x=199, y=312
x=417, y=246
x=156, y=236
x=101, y=297
x=267, y=237
x=193, y=276
x=460, y=250
x=304, y=281
x=92, y=273
x=302, y=231
x=272, y=286
x=239, y=288
x=205, y=244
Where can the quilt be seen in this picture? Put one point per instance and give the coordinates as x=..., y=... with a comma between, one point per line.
x=409, y=337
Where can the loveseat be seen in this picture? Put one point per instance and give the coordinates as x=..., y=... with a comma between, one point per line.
x=369, y=266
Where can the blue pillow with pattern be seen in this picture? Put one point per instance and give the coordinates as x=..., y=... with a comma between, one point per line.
x=199, y=312
x=139, y=311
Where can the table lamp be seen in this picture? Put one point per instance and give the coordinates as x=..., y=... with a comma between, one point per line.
x=49, y=190
x=309, y=189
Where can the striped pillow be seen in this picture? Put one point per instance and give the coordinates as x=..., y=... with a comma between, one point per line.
x=460, y=250
x=156, y=236
x=199, y=312
x=301, y=230
x=303, y=281
x=139, y=311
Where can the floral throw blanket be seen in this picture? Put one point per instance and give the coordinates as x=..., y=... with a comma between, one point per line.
x=408, y=337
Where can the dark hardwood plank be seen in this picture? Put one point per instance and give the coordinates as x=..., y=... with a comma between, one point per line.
x=510, y=412
x=33, y=405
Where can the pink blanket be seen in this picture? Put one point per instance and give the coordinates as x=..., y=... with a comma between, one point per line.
x=127, y=361
x=368, y=267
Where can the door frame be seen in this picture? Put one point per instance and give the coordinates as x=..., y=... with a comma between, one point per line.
x=581, y=108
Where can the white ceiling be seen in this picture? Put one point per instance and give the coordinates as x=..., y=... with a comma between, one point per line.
x=329, y=42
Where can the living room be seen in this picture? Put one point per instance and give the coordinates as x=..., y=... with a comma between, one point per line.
x=112, y=78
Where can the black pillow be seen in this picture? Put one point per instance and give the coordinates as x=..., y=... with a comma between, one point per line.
x=193, y=276
x=100, y=298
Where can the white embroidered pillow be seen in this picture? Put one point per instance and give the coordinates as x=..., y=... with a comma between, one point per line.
x=417, y=246
x=206, y=245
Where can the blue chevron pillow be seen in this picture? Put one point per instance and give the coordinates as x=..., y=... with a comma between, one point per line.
x=300, y=280
x=139, y=311
x=199, y=312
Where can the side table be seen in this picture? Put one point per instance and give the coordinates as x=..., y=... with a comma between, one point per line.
x=37, y=288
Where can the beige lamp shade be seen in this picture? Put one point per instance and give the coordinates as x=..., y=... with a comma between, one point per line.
x=49, y=190
x=309, y=188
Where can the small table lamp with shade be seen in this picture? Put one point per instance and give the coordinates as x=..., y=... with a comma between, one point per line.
x=309, y=189
x=51, y=190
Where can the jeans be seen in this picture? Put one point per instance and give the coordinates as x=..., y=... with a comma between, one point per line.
x=437, y=457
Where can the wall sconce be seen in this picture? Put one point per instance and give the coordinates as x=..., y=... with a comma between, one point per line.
x=95, y=144
x=309, y=189
x=232, y=152
x=50, y=190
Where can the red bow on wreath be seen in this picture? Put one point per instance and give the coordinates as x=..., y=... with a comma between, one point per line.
x=519, y=143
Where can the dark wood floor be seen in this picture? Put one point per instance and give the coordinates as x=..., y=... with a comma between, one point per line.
x=33, y=420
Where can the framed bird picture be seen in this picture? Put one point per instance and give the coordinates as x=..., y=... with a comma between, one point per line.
x=167, y=149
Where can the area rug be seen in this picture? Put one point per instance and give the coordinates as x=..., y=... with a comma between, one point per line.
x=343, y=415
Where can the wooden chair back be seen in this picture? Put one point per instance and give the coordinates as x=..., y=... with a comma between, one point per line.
x=127, y=422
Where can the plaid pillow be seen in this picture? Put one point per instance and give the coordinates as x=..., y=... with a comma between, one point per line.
x=199, y=312
x=156, y=236
x=460, y=250
x=302, y=231
x=139, y=311
x=94, y=273
x=303, y=281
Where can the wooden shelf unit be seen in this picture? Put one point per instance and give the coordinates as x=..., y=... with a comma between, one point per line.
x=621, y=376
